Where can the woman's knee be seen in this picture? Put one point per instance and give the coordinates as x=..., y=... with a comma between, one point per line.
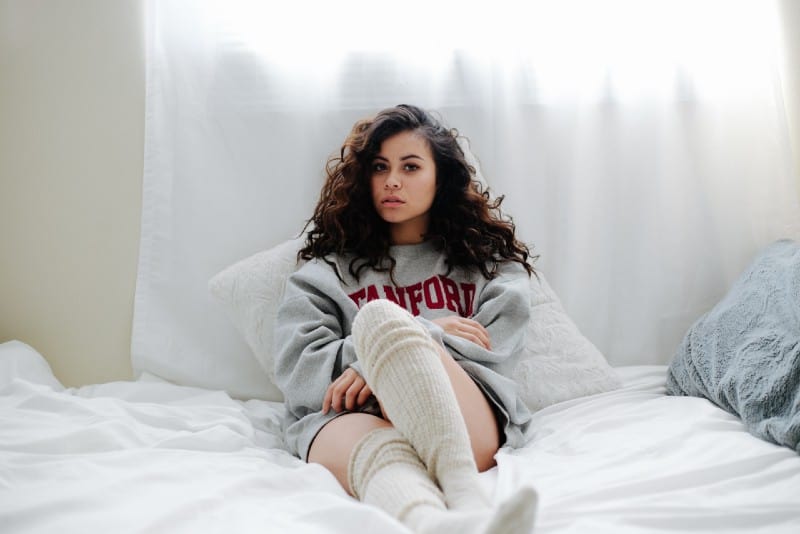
x=335, y=442
x=381, y=324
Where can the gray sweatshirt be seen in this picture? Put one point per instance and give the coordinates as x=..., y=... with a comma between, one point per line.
x=314, y=345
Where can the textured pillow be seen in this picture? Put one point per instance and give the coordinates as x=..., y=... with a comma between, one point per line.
x=744, y=354
x=250, y=291
x=560, y=363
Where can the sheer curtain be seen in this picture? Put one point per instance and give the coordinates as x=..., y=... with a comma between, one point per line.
x=641, y=146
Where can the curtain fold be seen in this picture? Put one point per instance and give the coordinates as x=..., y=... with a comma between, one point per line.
x=642, y=147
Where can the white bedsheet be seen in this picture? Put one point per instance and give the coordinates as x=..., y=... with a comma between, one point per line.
x=149, y=456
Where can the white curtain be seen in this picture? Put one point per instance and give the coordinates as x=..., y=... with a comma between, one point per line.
x=641, y=146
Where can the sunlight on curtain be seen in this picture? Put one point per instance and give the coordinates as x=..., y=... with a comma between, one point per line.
x=642, y=145
x=624, y=48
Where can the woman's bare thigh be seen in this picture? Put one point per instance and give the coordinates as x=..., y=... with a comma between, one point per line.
x=477, y=412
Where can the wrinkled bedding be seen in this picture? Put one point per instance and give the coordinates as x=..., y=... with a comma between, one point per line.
x=149, y=456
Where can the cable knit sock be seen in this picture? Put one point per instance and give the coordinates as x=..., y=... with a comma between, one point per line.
x=403, y=368
x=385, y=471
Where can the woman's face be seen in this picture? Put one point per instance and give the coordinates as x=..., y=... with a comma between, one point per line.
x=404, y=185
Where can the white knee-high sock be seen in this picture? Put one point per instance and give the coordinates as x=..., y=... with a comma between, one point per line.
x=403, y=368
x=385, y=471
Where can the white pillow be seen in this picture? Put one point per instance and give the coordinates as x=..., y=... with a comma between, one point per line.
x=560, y=363
x=250, y=291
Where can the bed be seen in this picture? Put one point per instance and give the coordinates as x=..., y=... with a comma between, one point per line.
x=705, y=444
x=151, y=456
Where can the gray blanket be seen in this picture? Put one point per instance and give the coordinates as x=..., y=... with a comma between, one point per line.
x=744, y=354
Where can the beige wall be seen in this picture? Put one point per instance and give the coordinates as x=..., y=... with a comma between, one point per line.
x=71, y=131
x=71, y=145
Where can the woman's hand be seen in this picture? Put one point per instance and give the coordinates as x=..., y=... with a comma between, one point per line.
x=347, y=392
x=468, y=329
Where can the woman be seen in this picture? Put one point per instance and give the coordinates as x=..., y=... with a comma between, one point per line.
x=397, y=338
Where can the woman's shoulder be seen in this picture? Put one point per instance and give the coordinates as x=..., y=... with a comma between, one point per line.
x=313, y=279
x=331, y=269
x=510, y=273
x=512, y=269
x=322, y=268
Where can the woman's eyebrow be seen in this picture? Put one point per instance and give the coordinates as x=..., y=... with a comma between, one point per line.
x=409, y=156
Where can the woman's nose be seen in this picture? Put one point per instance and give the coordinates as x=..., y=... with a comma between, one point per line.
x=392, y=183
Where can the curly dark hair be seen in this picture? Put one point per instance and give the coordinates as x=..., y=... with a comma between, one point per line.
x=465, y=221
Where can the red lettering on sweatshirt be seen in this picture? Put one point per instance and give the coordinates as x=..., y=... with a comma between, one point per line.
x=372, y=293
x=451, y=295
x=358, y=296
x=434, y=299
x=437, y=292
x=414, y=297
x=469, y=297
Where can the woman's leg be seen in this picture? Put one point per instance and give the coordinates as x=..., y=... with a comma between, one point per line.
x=335, y=442
x=478, y=414
x=378, y=465
x=417, y=387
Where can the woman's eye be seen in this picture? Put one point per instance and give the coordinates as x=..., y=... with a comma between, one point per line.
x=378, y=167
x=411, y=167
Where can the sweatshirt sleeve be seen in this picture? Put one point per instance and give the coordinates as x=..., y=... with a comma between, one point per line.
x=313, y=345
x=503, y=307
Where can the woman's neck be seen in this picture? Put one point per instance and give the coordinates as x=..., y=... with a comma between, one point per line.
x=408, y=233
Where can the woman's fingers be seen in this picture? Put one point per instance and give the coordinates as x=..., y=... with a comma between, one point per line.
x=473, y=331
x=475, y=338
x=364, y=395
x=468, y=329
x=326, y=401
x=347, y=392
x=353, y=392
x=334, y=393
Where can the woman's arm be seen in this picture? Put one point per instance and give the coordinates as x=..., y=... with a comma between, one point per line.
x=312, y=345
x=503, y=309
